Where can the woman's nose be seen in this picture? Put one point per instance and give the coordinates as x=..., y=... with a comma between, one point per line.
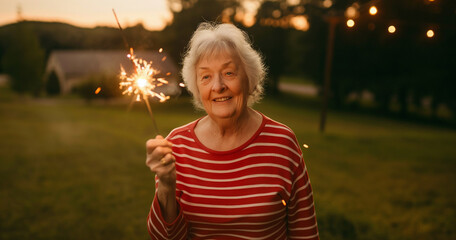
x=219, y=85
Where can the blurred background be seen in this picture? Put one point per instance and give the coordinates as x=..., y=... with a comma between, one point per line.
x=368, y=86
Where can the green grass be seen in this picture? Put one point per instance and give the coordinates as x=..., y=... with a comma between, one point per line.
x=69, y=170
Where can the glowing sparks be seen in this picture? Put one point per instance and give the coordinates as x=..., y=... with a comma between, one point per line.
x=143, y=81
x=283, y=202
x=181, y=84
x=430, y=33
x=164, y=58
x=305, y=146
x=350, y=23
x=98, y=90
x=160, y=50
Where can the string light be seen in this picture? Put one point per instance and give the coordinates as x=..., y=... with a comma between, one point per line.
x=351, y=12
x=300, y=23
x=249, y=20
x=373, y=10
x=327, y=3
x=392, y=29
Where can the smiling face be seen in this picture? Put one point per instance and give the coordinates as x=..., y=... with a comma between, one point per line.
x=222, y=85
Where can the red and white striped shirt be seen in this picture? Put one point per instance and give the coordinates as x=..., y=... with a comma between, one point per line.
x=259, y=190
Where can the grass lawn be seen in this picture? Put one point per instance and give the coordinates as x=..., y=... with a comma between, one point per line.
x=69, y=170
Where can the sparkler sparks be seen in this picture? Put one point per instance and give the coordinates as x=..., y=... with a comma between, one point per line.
x=143, y=82
x=98, y=90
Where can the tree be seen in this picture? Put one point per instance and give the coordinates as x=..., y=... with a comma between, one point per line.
x=24, y=60
x=272, y=44
x=187, y=15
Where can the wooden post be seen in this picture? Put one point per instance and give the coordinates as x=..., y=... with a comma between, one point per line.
x=332, y=21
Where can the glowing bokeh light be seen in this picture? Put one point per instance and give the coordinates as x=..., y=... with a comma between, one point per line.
x=249, y=20
x=350, y=23
x=276, y=13
x=327, y=3
x=373, y=10
x=300, y=23
x=430, y=33
x=392, y=29
x=351, y=12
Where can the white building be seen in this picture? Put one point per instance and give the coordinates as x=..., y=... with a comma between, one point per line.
x=74, y=66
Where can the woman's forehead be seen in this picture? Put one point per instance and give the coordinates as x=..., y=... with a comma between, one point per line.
x=224, y=56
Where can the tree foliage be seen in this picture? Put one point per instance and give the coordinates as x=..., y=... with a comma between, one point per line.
x=24, y=60
x=187, y=15
x=405, y=66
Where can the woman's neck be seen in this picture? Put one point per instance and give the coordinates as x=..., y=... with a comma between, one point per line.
x=227, y=134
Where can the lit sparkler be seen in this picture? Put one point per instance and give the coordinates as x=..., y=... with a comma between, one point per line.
x=142, y=83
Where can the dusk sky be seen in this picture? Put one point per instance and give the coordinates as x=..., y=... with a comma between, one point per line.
x=154, y=14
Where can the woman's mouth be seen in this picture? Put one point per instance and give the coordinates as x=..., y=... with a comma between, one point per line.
x=222, y=99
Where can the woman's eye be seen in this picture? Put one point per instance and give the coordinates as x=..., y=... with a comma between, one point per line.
x=205, y=77
x=229, y=74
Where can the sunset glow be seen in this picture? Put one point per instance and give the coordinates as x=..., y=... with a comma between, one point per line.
x=154, y=15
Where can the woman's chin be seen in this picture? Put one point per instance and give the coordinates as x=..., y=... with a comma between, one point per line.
x=223, y=112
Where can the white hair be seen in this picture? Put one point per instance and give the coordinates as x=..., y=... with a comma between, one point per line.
x=212, y=38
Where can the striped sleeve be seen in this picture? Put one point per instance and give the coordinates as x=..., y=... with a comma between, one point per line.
x=302, y=222
x=156, y=225
x=160, y=229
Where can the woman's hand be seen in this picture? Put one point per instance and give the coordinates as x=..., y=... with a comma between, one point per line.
x=161, y=161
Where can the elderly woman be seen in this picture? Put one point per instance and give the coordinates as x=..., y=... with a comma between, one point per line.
x=235, y=173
